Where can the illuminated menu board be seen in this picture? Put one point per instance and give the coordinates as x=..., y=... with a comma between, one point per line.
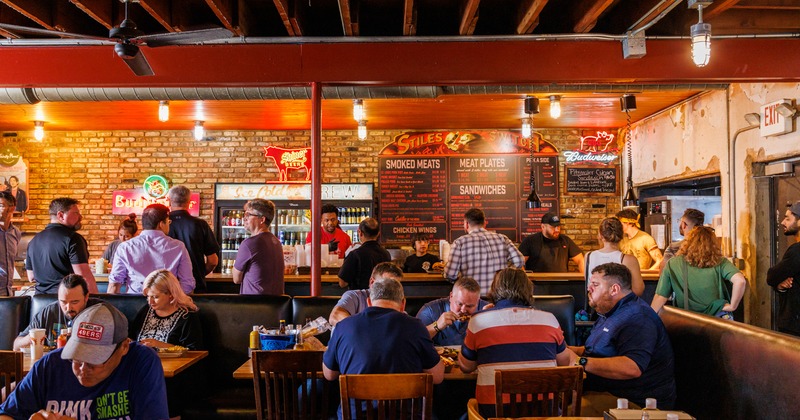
x=429, y=192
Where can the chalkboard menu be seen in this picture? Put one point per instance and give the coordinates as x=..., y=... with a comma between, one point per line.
x=591, y=180
x=430, y=190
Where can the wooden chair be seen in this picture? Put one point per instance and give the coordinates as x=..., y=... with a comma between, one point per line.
x=289, y=384
x=539, y=392
x=387, y=396
x=10, y=371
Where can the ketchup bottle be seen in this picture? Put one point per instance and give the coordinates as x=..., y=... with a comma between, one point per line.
x=61, y=341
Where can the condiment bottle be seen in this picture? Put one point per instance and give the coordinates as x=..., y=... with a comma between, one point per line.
x=282, y=327
x=62, y=338
x=298, y=340
x=255, y=341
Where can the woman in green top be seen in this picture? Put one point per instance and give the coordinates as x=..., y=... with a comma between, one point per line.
x=700, y=267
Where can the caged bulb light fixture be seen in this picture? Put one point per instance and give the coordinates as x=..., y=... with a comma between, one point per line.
x=527, y=128
x=362, y=130
x=555, y=106
x=163, y=111
x=627, y=103
x=359, y=112
x=38, y=130
x=701, y=35
x=199, y=130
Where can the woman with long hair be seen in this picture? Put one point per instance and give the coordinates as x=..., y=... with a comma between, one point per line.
x=610, y=234
x=170, y=317
x=126, y=230
x=696, y=277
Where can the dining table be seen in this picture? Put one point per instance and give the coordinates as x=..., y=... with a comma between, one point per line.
x=171, y=364
x=245, y=371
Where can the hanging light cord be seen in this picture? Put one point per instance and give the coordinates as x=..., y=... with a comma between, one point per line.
x=533, y=180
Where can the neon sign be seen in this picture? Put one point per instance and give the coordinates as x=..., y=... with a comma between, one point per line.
x=594, y=149
x=155, y=186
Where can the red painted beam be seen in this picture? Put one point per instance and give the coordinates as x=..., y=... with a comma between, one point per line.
x=401, y=63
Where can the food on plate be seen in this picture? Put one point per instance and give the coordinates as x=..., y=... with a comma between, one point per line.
x=173, y=349
x=437, y=266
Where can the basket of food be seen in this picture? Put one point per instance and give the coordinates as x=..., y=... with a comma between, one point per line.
x=449, y=356
x=168, y=352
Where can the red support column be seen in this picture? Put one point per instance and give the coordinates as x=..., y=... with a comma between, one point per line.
x=316, y=187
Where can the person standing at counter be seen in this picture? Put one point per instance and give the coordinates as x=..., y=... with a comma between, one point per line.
x=59, y=249
x=9, y=241
x=151, y=250
x=259, y=263
x=781, y=276
x=638, y=243
x=338, y=241
x=357, y=266
x=690, y=219
x=421, y=261
x=549, y=251
x=127, y=229
x=480, y=254
x=195, y=234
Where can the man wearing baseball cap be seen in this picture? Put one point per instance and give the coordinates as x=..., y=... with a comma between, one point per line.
x=99, y=374
x=781, y=276
x=549, y=251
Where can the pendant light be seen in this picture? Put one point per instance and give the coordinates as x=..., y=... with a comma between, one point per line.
x=163, y=111
x=38, y=130
x=359, y=112
x=532, y=107
x=627, y=104
x=555, y=106
x=199, y=130
x=362, y=130
x=701, y=35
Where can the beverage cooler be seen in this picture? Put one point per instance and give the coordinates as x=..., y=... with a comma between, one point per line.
x=292, y=221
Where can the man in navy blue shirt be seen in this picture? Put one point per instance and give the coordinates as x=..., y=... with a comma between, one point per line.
x=628, y=353
x=446, y=319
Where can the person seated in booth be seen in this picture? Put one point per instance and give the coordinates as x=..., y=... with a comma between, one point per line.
x=549, y=251
x=381, y=339
x=125, y=231
x=354, y=302
x=99, y=374
x=170, y=317
x=628, y=353
x=73, y=297
x=446, y=319
x=421, y=261
x=511, y=335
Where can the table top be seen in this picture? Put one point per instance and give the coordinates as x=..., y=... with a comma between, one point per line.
x=172, y=366
x=245, y=371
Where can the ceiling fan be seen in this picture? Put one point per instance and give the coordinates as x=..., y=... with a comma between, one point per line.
x=128, y=40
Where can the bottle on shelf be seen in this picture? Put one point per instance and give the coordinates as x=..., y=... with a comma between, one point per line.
x=255, y=341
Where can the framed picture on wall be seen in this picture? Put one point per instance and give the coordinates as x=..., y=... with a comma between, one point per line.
x=14, y=176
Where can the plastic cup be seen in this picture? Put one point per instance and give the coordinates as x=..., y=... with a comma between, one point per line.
x=37, y=335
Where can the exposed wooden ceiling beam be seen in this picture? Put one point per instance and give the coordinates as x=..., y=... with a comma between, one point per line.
x=645, y=20
x=766, y=21
x=160, y=11
x=226, y=13
x=99, y=10
x=718, y=7
x=409, y=18
x=35, y=10
x=349, y=24
x=529, y=15
x=283, y=10
x=592, y=10
x=469, y=17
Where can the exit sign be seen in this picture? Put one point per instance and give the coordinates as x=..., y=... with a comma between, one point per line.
x=772, y=122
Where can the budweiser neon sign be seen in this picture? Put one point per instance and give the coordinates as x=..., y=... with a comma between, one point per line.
x=594, y=149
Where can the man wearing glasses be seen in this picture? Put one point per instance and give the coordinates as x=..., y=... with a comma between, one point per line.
x=151, y=250
x=258, y=268
x=100, y=374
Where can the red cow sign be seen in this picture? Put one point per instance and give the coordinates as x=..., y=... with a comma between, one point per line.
x=286, y=159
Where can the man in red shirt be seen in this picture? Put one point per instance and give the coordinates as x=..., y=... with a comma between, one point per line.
x=332, y=234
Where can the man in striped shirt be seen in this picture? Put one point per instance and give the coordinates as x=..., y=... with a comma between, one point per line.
x=511, y=335
x=480, y=253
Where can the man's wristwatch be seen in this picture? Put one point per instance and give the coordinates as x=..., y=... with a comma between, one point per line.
x=582, y=362
x=436, y=326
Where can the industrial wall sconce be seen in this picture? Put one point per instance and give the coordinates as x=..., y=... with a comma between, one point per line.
x=753, y=118
x=701, y=34
x=163, y=111
x=786, y=110
x=555, y=106
x=362, y=130
x=38, y=130
x=627, y=104
x=531, y=107
x=359, y=112
x=199, y=130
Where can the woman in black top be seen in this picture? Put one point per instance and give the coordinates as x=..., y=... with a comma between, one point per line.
x=170, y=318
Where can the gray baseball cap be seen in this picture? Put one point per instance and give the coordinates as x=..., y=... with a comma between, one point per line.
x=97, y=331
x=795, y=208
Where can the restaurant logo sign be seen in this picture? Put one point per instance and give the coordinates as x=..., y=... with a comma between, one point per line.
x=155, y=186
x=594, y=149
x=444, y=143
x=9, y=155
x=134, y=201
x=286, y=159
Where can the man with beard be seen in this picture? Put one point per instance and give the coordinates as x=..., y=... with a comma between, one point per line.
x=628, y=353
x=338, y=241
x=73, y=297
x=690, y=219
x=549, y=251
x=781, y=276
x=59, y=249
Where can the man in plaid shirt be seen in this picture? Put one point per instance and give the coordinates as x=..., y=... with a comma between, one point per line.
x=480, y=253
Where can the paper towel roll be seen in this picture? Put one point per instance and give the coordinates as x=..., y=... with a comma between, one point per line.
x=444, y=250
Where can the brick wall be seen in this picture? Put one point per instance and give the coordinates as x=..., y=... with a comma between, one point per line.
x=90, y=165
